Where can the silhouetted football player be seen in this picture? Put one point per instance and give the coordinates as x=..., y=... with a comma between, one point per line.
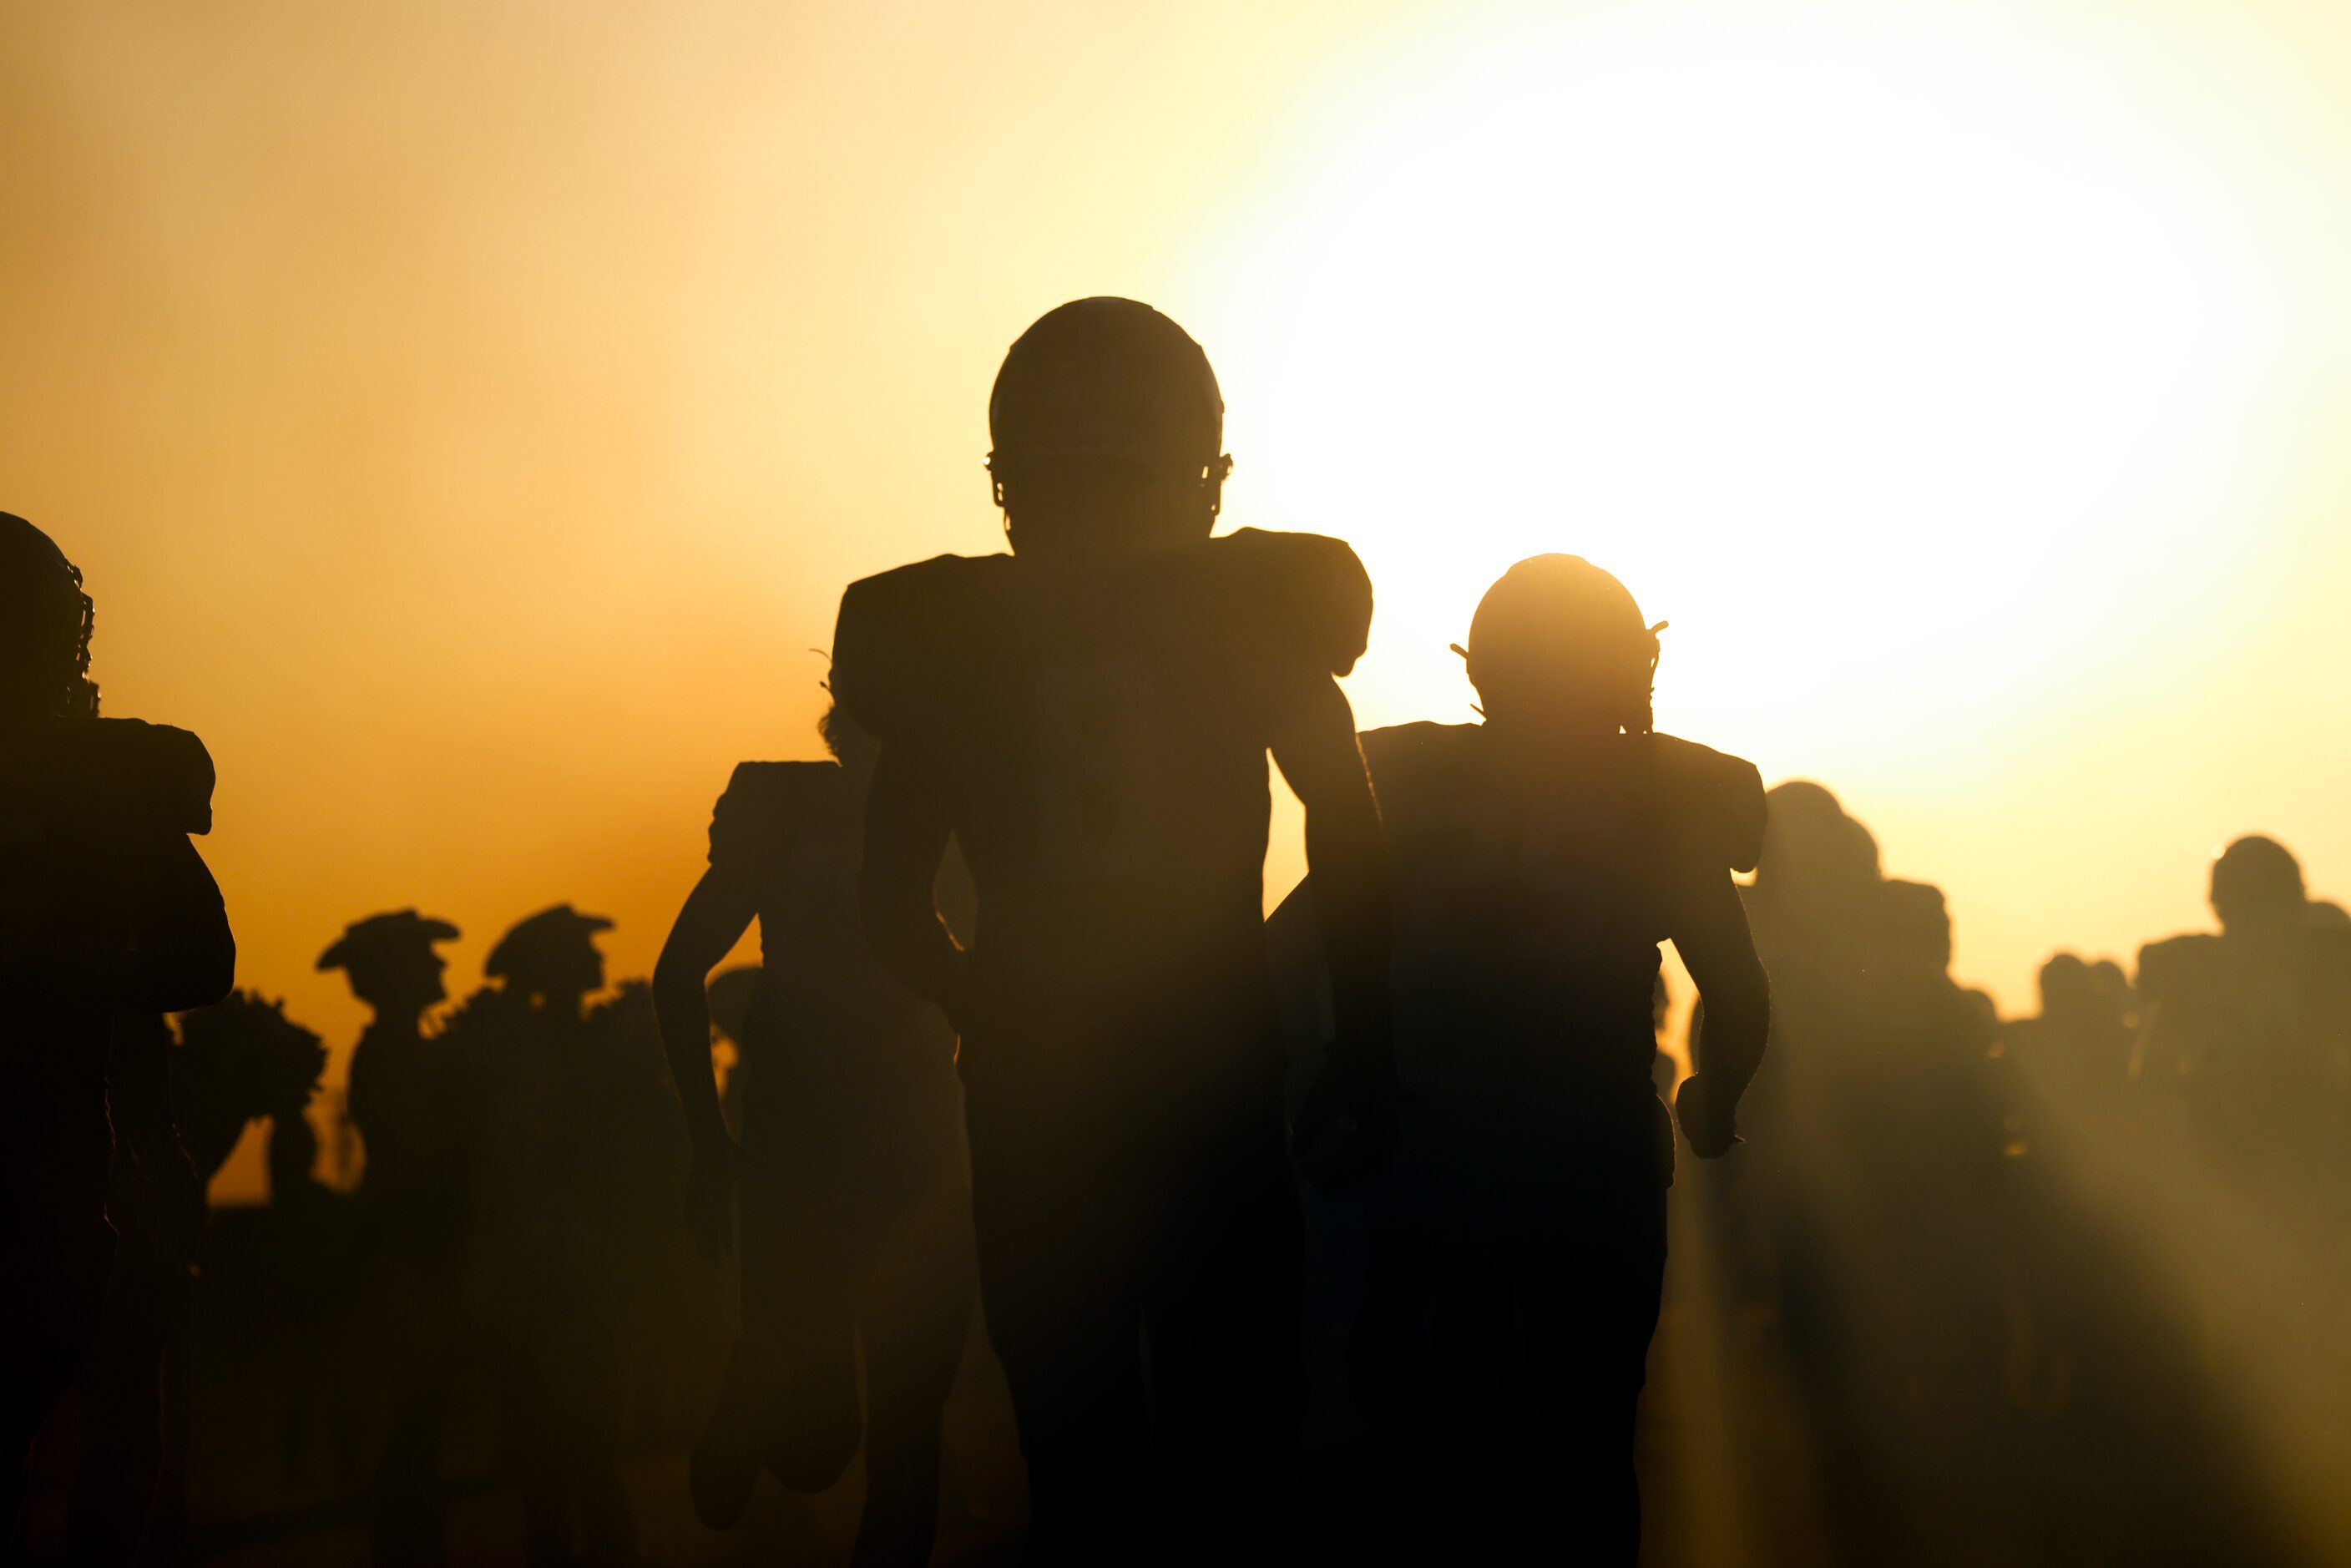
x=855, y=1202
x=1089, y=716
x=2249, y=1028
x=392, y=1082
x=556, y=1176
x=2071, y=1064
x=105, y=905
x=403, y=1097
x=1518, y=1245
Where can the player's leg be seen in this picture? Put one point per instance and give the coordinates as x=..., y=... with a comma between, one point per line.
x=915, y=1318
x=789, y=1398
x=1429, y=1362
x=1595, y=1360
x=1228, y=1387
x=1054, y=1220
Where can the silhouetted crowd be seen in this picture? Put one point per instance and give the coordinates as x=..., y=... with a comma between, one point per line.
x=1341, y=1236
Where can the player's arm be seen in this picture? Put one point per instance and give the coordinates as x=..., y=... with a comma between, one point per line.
x=1315, y=747
x=1711, y=934
x=180, y=953
x=907, y=827
x=715, y=915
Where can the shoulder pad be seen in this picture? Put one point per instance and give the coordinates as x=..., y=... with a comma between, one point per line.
x=1401, y=754
x=1715, y=799
x=769, y=805
x=903, y=632
x=1313, y=587
x=148, y=773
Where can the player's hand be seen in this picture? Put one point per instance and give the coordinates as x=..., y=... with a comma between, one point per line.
x=710, y=1200
x=1344, y=1132
x=1710, y=1126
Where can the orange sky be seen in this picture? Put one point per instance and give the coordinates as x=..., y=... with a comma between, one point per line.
x=467, y=416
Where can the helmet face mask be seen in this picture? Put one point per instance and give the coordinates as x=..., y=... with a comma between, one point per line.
x=1087, y=508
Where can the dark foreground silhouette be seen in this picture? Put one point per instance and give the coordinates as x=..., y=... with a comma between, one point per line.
x=107, y=915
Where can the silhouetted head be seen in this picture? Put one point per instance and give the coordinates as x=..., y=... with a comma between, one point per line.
x=2257, y=883
x=1810, y=844
x=1107, y=429
x=2067, y=988
x=45, y=627
x=391, y=962
x=1558, y=642
x=551, y=955
x=1917, y=929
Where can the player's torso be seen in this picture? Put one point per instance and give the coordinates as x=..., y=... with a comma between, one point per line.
x=1529, y=915
x=819, y=981
x=1110, y=780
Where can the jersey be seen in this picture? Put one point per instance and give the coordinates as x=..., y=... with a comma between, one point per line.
x=1102, y=752
x=1529, y=920
x=843, y=1069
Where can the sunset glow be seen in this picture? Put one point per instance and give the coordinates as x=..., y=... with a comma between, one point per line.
x=472, y=444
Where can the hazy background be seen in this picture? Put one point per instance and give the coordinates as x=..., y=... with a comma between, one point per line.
x=467, y=416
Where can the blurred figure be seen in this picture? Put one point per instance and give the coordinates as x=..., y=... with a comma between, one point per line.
x=237, y=1061
x=2249, y=1031
x=1090, y=718
x=1812, y=910
x=669, y=1308
x=1540, y=858
x=555, y=1177
x=2246, y=1056
x=2070, y=1064
x=854, y=1198
x=396, y=1081
x=105, y=908
x=318, y=1251
x=1872, y=1227
x=403, y=1098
